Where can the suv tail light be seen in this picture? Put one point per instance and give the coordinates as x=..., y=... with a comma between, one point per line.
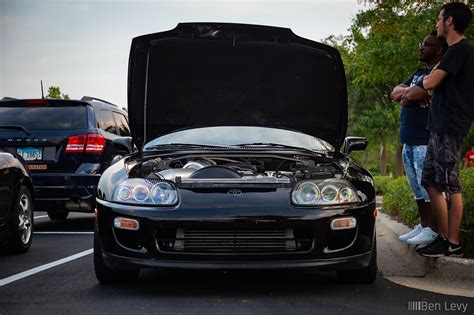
x=90, y=143
x=95, y=143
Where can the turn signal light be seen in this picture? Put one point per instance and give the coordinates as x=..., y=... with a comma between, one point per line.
x=126, y=224
x=343, y=223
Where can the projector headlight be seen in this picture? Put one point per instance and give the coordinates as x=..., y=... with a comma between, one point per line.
x=323, y=192
x=307, y=193
x=143, y=192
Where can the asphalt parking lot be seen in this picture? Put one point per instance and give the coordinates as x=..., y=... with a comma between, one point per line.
x=56, y=276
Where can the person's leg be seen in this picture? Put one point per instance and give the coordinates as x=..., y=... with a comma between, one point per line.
x=453, y=145
x=440, y=210
x=455, y=217
x=408, y=157
x=424, y=204
x=446, y=164
x=428, y=181
x=429, y=214
x=427, y=218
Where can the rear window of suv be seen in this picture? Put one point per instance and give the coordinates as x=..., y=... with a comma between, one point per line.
x=45, y=117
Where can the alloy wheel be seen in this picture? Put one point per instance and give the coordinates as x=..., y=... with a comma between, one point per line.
x=25, y=224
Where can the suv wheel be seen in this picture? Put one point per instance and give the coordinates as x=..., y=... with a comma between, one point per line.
x=22, y=230
x=58, y=215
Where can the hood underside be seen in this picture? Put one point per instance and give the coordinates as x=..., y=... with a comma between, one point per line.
x=215, y=74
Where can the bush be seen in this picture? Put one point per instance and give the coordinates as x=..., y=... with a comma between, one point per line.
x=467, y=223
x=380, y=183
x=398, y=200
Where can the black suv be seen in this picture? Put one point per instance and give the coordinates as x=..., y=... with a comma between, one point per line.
x=67, y=144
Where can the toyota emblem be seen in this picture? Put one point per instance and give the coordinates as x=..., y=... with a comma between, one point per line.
x=235, y=192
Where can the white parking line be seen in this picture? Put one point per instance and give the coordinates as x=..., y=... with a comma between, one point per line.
x=64, y=233
x=41, y=216
x=33, y=271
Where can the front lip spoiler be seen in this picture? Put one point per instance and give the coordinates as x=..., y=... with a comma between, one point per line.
x=341, y=263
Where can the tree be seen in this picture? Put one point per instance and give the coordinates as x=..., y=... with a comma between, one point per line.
x=55, y=92
x=381, y=52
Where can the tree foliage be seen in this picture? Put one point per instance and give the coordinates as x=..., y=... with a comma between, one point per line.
x=55, y=92
x=380, y=53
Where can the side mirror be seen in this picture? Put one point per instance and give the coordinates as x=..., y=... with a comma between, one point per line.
x=123, y=145
x=354, y=144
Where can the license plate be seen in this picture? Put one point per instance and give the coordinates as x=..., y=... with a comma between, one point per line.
x=31, y=154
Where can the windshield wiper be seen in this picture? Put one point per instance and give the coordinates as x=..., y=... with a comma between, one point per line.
x=16, y=127
x=182, y=146
x=276, y=145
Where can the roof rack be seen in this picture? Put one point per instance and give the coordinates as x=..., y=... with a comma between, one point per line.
x=91, y=98
x=7, y=98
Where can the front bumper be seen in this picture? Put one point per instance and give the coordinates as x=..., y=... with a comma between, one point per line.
x=341, y=263
x=140, y=249
x=65, y=191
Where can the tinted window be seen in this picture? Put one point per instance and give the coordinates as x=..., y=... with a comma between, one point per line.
x=45, y=118
x=106, y=121
x=122, y=124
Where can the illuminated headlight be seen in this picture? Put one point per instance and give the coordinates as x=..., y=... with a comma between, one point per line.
x=144, y=192
x=323, y=192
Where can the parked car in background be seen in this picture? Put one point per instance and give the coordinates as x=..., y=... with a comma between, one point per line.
x=16, y=204
x=67, y=145
x=239, y=130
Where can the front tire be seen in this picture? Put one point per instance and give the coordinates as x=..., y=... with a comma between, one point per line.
x=105, y=274
x=22, y=227
x=364, y=275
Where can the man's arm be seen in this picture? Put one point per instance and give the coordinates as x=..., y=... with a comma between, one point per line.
x=415, y=94
x=434, y=79
x=398, y=92
x=465, y=162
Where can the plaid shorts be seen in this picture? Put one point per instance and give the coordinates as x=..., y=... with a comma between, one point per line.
x=442, y=163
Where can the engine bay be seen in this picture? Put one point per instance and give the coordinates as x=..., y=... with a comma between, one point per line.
x=236, y=169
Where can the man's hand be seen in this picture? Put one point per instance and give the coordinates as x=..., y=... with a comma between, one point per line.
x=416, y=94
x=398, y=92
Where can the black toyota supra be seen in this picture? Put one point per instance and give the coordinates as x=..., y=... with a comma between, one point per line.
x=241, y=159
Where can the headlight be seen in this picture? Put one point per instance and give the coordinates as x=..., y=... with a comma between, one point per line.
x=306, y=194
x=144, y=192
x=323, y=192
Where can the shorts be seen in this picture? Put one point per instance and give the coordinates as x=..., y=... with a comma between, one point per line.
x=442, y=163
x=413, y=161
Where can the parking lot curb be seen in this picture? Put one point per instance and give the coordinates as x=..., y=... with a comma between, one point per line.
x=450, y=268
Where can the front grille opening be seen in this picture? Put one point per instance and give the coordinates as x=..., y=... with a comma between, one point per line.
x=235, y=241
x=340, y=239
x=129, y=239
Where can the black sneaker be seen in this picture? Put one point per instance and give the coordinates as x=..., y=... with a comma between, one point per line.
x=454, y=250
x=433, y=243
x=441, y=248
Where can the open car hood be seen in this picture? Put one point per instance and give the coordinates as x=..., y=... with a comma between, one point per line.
x=218, y=74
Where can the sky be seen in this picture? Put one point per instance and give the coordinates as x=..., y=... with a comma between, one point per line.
x=83, y=46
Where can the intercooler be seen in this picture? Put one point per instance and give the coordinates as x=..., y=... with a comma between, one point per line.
x=235, y=240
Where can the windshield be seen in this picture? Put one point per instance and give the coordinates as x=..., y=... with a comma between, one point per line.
x=45, y=118
x=232, y=136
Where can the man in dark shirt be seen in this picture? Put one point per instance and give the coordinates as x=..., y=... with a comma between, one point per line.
x=449, y=120
x=414, y=136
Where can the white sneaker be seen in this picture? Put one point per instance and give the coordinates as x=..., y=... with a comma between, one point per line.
x=426, y=236
x=416, y=230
